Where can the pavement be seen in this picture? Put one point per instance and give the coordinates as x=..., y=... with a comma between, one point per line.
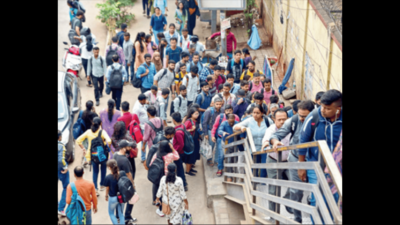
x=144, y=211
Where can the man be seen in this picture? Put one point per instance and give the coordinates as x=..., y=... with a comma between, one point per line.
x=146, y=73
x=208, y=121
x=236, y=66
x=97, y=68
x=172, y=33
x=121, y=35
x=199, y=46
x=272, y=108
x=227, y=97
x=116, y=48
x=251, y=70
x=151, y=96
x=293, y=127
x=244, y=85
x=213, y=89
x=240, y=104
x=140, y=109
x=256, y=85
x=219, y=78
x=293, y=111
x=224, y=130
x=173, y=52
x=204, y=98
x=181, y=102
x=207, y=70
x=127, y=117
x=318, y=99
x=234, y=87
x=178, y=143
x=124, y=165
x=127, y=47
x=179, y=77
x=86, y=191
x=185, y=39
x=191, y=50
x=184, y=61
x=76, y=22
x=327, y=128
x=146, y=3
x=258, y=100
x=195, y=62
x=114, y=69
x=165, y=78
x=230, y=37
x=162, y=103
x=149, y=134
x=192, y=82
x=268, y=91
x=63, y=174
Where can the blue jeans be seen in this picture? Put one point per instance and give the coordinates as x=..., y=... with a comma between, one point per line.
x=96, y=172
x=143, y=154
x=145, y=3
x=220, y=154
x=180, y=172
x=113, y=205
x=64, y=178
x=131, y=67
x=261, y=159
x=312, y=179
x=155, y=32
x=89, y=217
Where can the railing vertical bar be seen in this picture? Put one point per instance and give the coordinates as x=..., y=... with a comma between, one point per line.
x=254, y=188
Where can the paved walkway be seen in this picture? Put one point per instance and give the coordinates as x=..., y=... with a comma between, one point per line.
x=144, y=211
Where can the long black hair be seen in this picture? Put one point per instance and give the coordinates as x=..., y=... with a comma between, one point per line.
x=191, y=112
x=110, y=104
x=89, y=106
x=164, y=148
x=139, y=38
x=114, y=168
x=171, y=176
x=183, y=9
x=147, y=37
x=95, y=124
x=89, y=45
x=119, y=130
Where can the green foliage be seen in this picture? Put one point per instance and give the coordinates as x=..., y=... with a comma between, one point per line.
x=116, y=9
x=249, y=16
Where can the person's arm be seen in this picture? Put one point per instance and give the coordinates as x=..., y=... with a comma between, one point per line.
x=267, y=136
x=242, y=125
x=160, y=190
x=130, y=57
x=176, y=104
x=234, y=41
x=146, y=133
x=107, y=191
x=80, y=139
x=221, y=131
x=94, y=197
x=142, y=73
x=89, y=65
x=69, y=194
x=175, y=154
x=204, y=124
x=129, y=175
x=280, y=134
x=215, y=126
x=77, y=30
x=64, y=162
x=163, y=114
x=121, y=55
x=151, y=23
x=108, y=72
x=165, y=4
x=106, y=137
x=214, y=35
x=124, y=74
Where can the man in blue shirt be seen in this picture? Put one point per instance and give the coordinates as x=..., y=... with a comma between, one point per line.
x=204, y=98
x=240, y=104
x=158, y=23
x=170, y=33
x=173, y=52
x=207, y=70
x=224, y=130
x=293, y=111
x=146, y=73
x=116, y=92
x=120, y=34
x=234, y=87
x=327, y=128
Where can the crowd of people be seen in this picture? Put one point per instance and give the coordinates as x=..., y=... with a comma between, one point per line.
x=208, y=102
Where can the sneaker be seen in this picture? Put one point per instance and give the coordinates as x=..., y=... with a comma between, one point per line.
x=192, y=170
x=97, y=103
x=186, y=188
x=97, y=193
x=144, y=12
x=190, y=173
x=160, y=213
x=131, y=221
x=101, y=95
x=61, y=213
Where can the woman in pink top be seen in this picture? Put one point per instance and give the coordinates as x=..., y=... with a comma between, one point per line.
x=167, y=153
x=151, y=45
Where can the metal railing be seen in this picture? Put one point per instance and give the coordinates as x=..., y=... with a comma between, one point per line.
x=250, y=179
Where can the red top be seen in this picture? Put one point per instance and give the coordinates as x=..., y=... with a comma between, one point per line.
x=179, y=138
x=220, y=80
x=229, y=38
x=127, y=118
x=216, y=123
x=188, y=125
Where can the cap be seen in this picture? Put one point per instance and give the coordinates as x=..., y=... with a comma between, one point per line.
x=125, y=143
x=123, y=26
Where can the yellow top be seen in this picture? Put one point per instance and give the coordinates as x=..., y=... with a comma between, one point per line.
x=250, y=74
x=90, y=136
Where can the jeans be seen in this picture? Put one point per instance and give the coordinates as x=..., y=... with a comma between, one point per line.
x=145, y=3
x=85, y=64
x=96, y=172
x=128, y=212
x=143, y=154
x=89, y=217
x=113, y=205
x=64, y=178
x=272, y=173
x=212, y=146
x=131, y=67
x=155, y=32
x=262, y=159
x=116, y=95
x=312, y=179
x=220, y=154
x=98, y=83
x=180, y=172
x=143, y=89
x=295, y=194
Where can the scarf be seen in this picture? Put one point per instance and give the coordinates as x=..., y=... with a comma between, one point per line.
x=157, y=63
x=192, y=6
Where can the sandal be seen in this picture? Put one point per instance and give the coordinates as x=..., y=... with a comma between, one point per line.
x=219, y=173
x=210, y=163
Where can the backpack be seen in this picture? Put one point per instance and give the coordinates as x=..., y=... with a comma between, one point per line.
x=61, y=148
x=76, y=211
x=314, y=121
x=152, y=151
x=79, y=127
x=156, y=170
x=125, y=187
x=172, y=108
x=77, y=5
x=159, y=131
x=188, y=142
x=135, y=131
x=119, y=37
x=137, y=82
x=72, y=40
x=98, y=150
x=109, y=55
x=116, y=77
x=266, y=121
x=163, y=74
x=84, y=31
x=241, y=62
x=293, y=126
x=202, y=98
x=91, y=63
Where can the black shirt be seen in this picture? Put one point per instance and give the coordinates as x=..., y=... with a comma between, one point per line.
x=112, y=183
x=123, y=163
x=236, y=67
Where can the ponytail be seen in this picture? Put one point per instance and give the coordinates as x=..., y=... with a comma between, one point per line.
x=114, y=168
x=111, y=104
x=95, y=124
x=89, y=45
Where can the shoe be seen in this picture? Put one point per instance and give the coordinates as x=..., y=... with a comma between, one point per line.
x=131, y=221
x=89, y=85
x=186, y=188
x=219, y=173
x=102, y=188
x=190, y=173
x=144, y=12
x=192, y=170
x=161, y=214
x=269, y=219
x=97, y=193
x=101, y=95
x=61, y=213
x=97, y=103
x=148, y=17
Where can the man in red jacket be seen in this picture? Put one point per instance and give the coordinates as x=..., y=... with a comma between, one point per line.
x=230, y=37
x=127, y=117
x=178, y=144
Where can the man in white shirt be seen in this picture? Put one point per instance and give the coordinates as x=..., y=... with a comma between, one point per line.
x=185, y=39
x=193, y=86
x=226, y=95
x=181, y=102
x=140, y=109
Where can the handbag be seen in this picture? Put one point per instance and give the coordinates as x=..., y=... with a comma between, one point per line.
x=178, y=26
x=187, y=218
x=134, y=199
x=165, y=207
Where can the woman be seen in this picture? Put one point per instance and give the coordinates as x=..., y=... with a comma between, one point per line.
x=192, y=125
x=90, y=135
x=171, y=190
x=162, y=50
x=72, y=11
x=194, y=12
x=151, y=46
x=109, y=117
x=258, y=127
x=87, y=117
x=181, y=16
x=167, y=152
x=194, y=105
x=158, y=24
x=86, y=51
x=140, y=48
x=247, y=57
x=157, y=61
x=111, y=183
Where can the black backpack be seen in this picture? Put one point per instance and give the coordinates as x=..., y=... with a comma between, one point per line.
x=125, y=187
x=98, y=150
x=172, y=109
x=137, y=82
x=156, y=170
x=116, y=77
x=159, y=132
x=71, y=38
x=152, y=151
x=109, y=55
x=163, y=74
x=266, y=121
x=188, y=142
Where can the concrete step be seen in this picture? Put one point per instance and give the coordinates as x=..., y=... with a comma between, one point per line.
x=259, y=220
x=227, y=212
x=235, y=200
x=214, y=186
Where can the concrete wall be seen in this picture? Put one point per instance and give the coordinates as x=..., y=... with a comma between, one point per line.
x=317, y=52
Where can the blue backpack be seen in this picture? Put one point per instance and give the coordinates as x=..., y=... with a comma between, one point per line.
x=79, y=127
x=76, y=211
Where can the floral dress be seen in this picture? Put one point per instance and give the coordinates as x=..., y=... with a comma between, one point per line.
x=176, y=195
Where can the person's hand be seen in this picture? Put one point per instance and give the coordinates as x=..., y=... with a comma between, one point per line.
x=197, y=17
x=173, y=95
x=106, y=198
x=64, y=171
x=147, y=71
x=194, y=128
x=224, y=134
x=302, y=174
x=88, y=78
x=243, y=129
x=206, y=137
x=213, y=139
x=69, y=22
x=185, y=26
x=95, y=210
x=147, y=102
x=143, y=149
x=171, y=146
x=84, y=151
x=240, y=101
x=265, y=144
x=93, y=109
x=276, y=144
